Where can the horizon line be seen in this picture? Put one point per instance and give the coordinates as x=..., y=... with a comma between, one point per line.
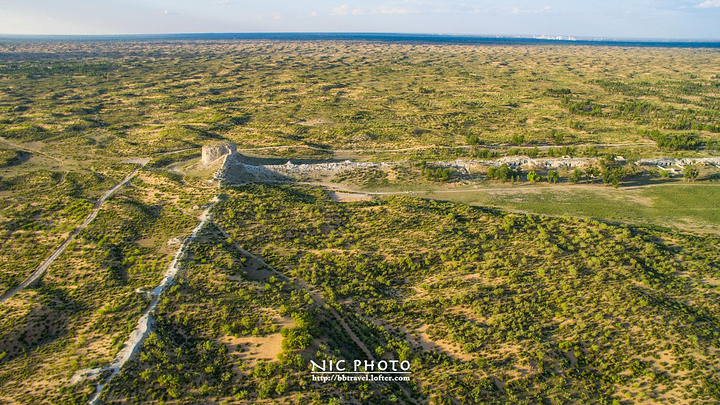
x=537, y=37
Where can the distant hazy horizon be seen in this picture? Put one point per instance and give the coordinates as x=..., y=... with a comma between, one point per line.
x=610, y=19
x=376, y=36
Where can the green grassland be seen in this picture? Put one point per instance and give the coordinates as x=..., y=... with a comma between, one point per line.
x=690, y=207
x=497, y=290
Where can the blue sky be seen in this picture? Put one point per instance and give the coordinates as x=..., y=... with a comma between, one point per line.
x=589, y=18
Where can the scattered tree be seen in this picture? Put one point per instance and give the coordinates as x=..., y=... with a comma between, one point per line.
x=575, y=176
x=690, y=172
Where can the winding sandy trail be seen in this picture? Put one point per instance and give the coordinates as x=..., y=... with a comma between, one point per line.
x=138, y=335
x=43, y=267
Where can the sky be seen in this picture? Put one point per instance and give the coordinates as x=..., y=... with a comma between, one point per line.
x=670, y=19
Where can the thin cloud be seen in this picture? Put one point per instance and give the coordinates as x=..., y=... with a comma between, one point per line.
x=709, y=4
x=340, y=10
x=389, y=9
x=426, y=7
x=524, y=10
x=394, y=10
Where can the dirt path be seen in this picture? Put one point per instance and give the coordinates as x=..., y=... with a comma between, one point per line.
x=320, y=300
x=343, y=188
x=14, y=145
x=43, y=267
x=138, y=335
x=519, y=189
x=425, y=147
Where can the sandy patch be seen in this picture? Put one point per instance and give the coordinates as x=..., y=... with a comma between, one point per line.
x=146, y=242
x=427, y=343
x=630, y=196
x=251, y=349
x=139, y=161
x=312, y=122
x=712, y=281
x=338, y=196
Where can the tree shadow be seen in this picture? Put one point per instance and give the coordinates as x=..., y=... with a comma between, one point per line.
x=44, y=324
